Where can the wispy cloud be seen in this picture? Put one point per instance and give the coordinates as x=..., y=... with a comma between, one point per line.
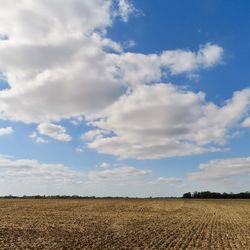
x=117, y=172
x=54, y=131
x=6, y=131
x=38, y=139
x=166, y=181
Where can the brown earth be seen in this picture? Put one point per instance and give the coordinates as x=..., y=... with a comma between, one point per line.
x=125, y=224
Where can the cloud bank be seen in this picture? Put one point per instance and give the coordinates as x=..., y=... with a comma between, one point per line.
x=33, y=171
x=222, y=169
x=26, y=170
x=59, y=62
x=163, y=120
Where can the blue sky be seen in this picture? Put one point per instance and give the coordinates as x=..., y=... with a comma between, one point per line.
x=134, y=98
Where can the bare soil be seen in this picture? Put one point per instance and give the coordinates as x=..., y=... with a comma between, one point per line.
x=125, y=224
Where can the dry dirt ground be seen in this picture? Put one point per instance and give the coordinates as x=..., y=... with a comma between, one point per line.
x=125, y=224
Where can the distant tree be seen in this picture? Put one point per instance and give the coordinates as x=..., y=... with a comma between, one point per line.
x=187, y=195
x=215, y=195
x=195, y=195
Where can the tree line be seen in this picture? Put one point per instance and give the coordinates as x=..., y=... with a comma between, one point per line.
x=70, y=197
x=215, y=195
x=188, y=195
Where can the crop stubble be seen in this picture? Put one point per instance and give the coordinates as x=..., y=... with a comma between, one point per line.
x=125, y=224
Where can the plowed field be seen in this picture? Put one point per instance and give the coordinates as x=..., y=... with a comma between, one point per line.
x=125, y=224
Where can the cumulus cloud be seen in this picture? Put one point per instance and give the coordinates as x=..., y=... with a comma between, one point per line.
x=54, y=131
x=59, y=62
x=54, y=62
x=222, y=169
x=181, y=61
x=137, y=68
x=163, y=120
x=34, y=171
x=52, y=20
x=6, y=131
x=63, y=65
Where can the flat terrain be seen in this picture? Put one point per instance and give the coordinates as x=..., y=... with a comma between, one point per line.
x=125, y=224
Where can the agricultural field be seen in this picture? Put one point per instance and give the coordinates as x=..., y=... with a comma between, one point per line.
x=124, y=224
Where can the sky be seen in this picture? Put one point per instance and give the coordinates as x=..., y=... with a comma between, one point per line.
x=124, y=97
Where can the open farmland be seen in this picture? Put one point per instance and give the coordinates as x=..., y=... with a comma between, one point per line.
x=125, y=224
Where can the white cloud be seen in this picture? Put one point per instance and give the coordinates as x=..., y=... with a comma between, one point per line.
x=137, y=68
x=79, y=150
x=33, y=171
x=33, y=135
x=105, y=165
x=129, y=44
x=56, y=132
x=163, y=120
x=166, y=181
x=77, y=121
x=118, y=172
x=222, y=169
x=53, y=63
x=53, y=66
x=53, y=21
x=181, y=61
x=28, y=176
x=246, y=122
x=38, y=139
x=6, y=131
x=125, y=9
x=92, y=134
x=41, y=140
